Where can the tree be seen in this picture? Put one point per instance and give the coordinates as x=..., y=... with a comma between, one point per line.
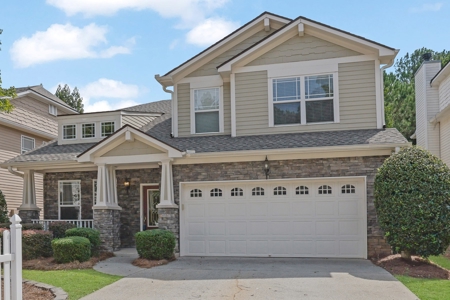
x=399, y=90
x=3, y=209
x=73, y=99
x=6, y=94
x=412, y=200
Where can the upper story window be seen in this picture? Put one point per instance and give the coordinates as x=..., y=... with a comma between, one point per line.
x=107, y=128
x=52, y=110
x=303, y=100
x=207, y=110
x=27, y=144
x=88, y=130
x=69, y=132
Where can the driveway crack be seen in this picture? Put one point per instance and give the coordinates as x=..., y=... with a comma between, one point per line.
x=237, y=285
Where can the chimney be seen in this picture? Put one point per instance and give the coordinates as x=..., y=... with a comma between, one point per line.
x=426, y=56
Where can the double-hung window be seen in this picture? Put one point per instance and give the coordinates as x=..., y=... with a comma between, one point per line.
x=52, y=110
x=207, y=110
x=303, y=100
x=27, y=144
x=69, y=199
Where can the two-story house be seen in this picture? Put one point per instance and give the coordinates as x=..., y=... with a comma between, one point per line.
x=31, y=124
x=432, y=85
x=268, y=147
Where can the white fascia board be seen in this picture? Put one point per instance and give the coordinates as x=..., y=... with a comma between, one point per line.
x=130, y=159
x=441, y=115
x=443, y=73
x=27, y=129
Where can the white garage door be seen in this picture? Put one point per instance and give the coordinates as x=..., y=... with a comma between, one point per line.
x=275, y=218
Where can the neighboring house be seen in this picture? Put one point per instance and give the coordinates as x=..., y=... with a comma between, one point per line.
x=269, y=147
x=31, y=124
x=432, y=83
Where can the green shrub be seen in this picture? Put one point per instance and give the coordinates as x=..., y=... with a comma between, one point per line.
x=91, y=234
x=59, y=228
x=412, y=199
x=5, y=225
x=3, y=209
x=32, y=226
x=71, y=249
x=155, y=244
x=36, y=243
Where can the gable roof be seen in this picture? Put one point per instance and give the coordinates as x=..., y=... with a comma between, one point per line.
x=43, y=93
x=341, y=34
x=441, y=75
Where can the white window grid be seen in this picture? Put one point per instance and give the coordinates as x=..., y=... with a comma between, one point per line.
x=348, y=189
x=27, y=144
x=212, y=109
x=196, y=193
x=237, y=192
x=88, y=130
x=72, y=129
x=105, y=126
x=325, y=190
x=216, y=192
x=77, y=202
x=302, y=190
x=258, y=191
x=279, y=191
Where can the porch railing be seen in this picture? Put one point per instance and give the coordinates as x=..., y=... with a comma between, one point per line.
x=78, y=223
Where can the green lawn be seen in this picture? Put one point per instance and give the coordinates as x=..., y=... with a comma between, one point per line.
x=441, y=261
x=77, y=283
x=427, y=289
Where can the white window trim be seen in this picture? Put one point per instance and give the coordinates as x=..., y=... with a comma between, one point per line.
x=221, y=110
x=76, y=131
x=53, y=110
x=303, y=100
x=95, y=130
x=21, y=143
x=59, y=199
x=101, y=125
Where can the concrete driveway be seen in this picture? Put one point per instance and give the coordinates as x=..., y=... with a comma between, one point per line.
x=257, y=278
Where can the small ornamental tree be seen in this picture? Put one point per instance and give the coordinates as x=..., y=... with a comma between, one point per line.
x=3, y=209
x=412, y=199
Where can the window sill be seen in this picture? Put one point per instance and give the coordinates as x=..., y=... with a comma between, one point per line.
x=293, y=125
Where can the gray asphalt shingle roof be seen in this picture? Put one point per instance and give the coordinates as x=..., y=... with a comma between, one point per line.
x=161, y=130
x=43, y=92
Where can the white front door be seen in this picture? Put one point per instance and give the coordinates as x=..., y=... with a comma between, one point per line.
x=323, y=217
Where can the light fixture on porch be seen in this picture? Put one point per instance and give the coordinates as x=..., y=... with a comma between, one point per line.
x=127, y=184
x=266, y=168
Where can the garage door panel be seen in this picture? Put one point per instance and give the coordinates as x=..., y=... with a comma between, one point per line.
x=266, y=222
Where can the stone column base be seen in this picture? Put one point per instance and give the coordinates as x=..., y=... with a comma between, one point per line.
x=377, y=247
x=107, y=221
x=168, y=219
x=28, y=215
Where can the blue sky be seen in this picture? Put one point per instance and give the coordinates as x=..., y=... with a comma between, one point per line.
x=111, y=49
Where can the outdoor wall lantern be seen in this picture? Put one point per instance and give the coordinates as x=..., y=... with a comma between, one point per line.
x=127, y=184
x=266, y=168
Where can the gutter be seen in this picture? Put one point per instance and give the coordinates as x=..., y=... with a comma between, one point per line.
x=163, y=80
x=15, y=172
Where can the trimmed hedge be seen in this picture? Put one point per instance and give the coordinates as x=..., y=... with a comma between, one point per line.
x=36, y=243
x=25, y=226
x=59, y=228
x=91, y=234
x=412, y=199
x=71, y=248
x=155, y=244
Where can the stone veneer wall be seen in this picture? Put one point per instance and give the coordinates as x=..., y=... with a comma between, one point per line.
x=28, y=215
x=107, y=221
x=304, y=168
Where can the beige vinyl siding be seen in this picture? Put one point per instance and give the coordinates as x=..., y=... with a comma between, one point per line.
x=210, y=68
x=444, y=93
x=432, y=108
x=226, y=108
x=136, y=121
x=11, y=185
x=357, y=102
x=445, y=140
x=184, y=112
x=302, y=48
x=32, y=113
x=421, y=118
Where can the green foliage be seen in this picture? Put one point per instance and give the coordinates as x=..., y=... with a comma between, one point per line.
x=59, y=228
x=71, y=249
x=73, y=99
x=91, y=234
x=399, y=90
x=412, y=199
x=25, y=226
x=155, y=244
x=6, y=95
x=36, y=243
x=3, y=209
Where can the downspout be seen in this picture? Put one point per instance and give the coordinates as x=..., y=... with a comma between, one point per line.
x=15, y=172
x=390, y=64
x=171, y=97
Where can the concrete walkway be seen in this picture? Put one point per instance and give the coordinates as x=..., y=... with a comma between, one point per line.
x=250, y=278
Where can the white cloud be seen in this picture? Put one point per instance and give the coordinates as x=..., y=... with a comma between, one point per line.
x=64, y=42
x=104, y=105
x=210, y=31
x=427, y=7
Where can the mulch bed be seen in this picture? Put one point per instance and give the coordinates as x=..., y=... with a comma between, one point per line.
x=147, y=263
x=49, y=264
x=30, y=292
x=418, y=267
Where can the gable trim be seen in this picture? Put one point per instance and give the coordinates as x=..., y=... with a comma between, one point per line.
x=47, y=99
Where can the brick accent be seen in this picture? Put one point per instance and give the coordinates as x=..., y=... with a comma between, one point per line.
x=28, y=215
x=107, y=221
x=302, y=168
x=169, y=219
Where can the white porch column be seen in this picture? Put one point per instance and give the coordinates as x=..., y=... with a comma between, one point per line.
x=106, y=188
x=29, y=210
x=166, y=192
